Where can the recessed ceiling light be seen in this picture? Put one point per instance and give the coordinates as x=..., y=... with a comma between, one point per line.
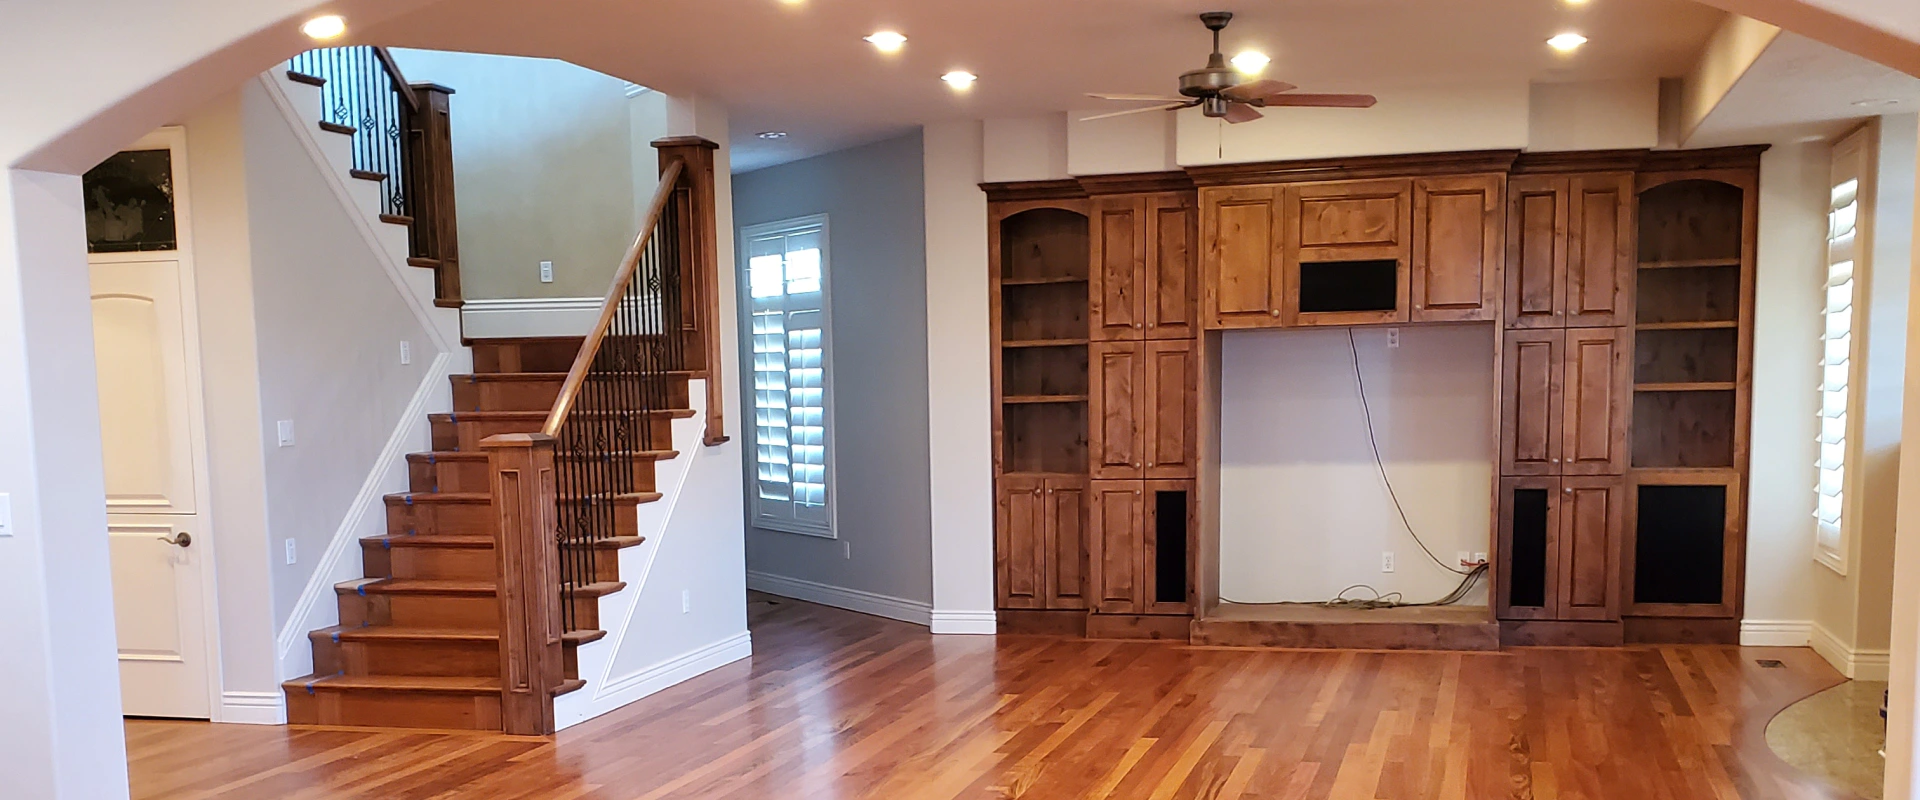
x=887, y=41
x=1576, y=2
x=1251, y=62
x=772, y=134
x=325, y=27
x=1876, y=102
x=960, y=79
x=1567, y=42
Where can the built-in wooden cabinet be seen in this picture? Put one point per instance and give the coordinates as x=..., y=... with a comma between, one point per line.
x=1559, y=545
x=1243, y=238
x=1458, y=225
x=1040, y=542
x=1565, y=396
x=1348, y=259
x=1143, y=409
x=1141, y=534
x=1570, y=250
x=1146, y=266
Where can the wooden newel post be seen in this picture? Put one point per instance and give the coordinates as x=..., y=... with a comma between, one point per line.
x=701, y=258
x=525, y=547
x=435, y=229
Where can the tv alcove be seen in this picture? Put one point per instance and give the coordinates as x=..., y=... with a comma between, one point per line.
x=1621, y=285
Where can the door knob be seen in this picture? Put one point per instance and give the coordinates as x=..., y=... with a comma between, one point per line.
x=185, y=539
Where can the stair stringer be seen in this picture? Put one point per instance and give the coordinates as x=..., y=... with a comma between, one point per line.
x=609, y=687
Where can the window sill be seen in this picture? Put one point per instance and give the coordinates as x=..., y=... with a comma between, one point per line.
x=1832, y=561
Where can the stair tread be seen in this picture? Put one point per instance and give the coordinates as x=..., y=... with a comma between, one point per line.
x=372, y=632
x=546, y=376
x=468, y=541
x=415, y=586
x=480, y=455
x=536, y=416
x=301, y=77
x=413, y=683
x=367, y=174
x=483, y=498
x=568, y=685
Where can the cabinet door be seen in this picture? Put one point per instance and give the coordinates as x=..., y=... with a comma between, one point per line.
x=1020, y=523
x=1117, y=378
x=1170, y=417
x=1243, y=234
x=1166, y=557
x=1592, y=521
x=1119, y=255
x=1597, y=392
x=1600, y=250
x=1347, y=259
x=1172, y=267
x=1066, y=542
x=1116, y=523
x=1526, y=582
x=1536, y=252
x=1457, y=240
x=1532, y=368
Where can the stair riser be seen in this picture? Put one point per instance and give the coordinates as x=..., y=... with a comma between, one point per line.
x=420, y=610
x=535, y=355
x=626, y=522
x=466, y=434
x=473, y=476
x=423, y=519
x=430, y=563
x=539, y=395
x=436, y=659
x=586, y=615
x=394, y=709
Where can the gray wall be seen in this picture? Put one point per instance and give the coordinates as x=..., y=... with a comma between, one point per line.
x=874, y=200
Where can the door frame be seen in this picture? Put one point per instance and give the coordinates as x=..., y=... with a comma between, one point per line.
x=173, y=139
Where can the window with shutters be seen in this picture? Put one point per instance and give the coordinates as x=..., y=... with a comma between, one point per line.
x=1838, y=352
x=785, y=321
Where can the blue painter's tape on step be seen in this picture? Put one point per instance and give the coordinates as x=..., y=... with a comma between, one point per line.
x=409, y=499
x=386, y=544
x=362, y=589
x=310, y=686
x=336, y=637
x=431, y=458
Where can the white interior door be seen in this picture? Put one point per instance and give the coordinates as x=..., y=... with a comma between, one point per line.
x=150, y=424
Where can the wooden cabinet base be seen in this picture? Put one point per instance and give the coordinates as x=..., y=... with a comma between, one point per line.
x=1317, y=627
x=1021, y=622
x=1680, y=630
x=1547, y=633
x=1138, y=626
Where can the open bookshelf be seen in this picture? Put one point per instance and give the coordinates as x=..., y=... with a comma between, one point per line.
x=1043, y=296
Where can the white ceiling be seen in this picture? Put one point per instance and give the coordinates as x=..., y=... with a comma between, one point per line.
x=803, y=68
x=1800, y=89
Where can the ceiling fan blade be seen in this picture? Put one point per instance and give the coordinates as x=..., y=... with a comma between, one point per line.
x=1319, y=100
x=1166, y=107
x=1241, y=112
x=1262, y=88
x=1144, y=98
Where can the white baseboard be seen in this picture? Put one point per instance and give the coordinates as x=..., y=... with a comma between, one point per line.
x=1775, y=633
x=666, y=674
x=528, y=317
x=965, y=622
x=1859, y=665
x=252, y=708
x=367, y=516
x=879, y=605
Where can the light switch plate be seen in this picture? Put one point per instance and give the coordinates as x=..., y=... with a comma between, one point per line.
x=546, y=272
x=406, y=352
x=292, y=554
x=686, y=601
x=6, y=515
x=285, y=428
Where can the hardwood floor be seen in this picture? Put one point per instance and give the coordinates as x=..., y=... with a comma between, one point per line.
x=839, y=705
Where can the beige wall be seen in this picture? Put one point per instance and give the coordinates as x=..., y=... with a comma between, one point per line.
x=544, y=170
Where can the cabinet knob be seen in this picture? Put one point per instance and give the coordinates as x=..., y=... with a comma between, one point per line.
x=1276, y=312
x=1136, y=493
x=1136, y=325
x=1149, y=463
x=1149, y=324
x=1556, y=460
x=1568, y=490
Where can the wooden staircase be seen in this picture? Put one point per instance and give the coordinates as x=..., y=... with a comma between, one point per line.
x=419, y=639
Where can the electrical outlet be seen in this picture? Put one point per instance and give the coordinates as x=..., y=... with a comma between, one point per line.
x=546, y=272
x=1386, y=561
x=1466, y=559
x=292, y=554
x=406, y=352
x=846, y=548
x=286, y=432
x=6, y=515
x=1480, y=557
x=686, y=601
x=1393, y=338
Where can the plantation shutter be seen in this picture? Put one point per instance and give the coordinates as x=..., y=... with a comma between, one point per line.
x=1836, y=359
x=787, y=325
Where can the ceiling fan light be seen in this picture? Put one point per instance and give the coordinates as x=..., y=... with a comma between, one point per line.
x=886, y=41
x=1567, y=42
x=1251, y=62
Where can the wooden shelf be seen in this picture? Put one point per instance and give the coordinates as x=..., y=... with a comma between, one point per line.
x=1028, y=399
x=1044, y=343
x=1065, y=279
x=1692, y=263
x=1703, y=386
x=1701, y=325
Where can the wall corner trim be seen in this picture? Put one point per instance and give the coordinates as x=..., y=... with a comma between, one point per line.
x=1855, y=664
x=977, y=623
x=252, y=708
x=511, y=318
x=1775, y=633
x=878, y=605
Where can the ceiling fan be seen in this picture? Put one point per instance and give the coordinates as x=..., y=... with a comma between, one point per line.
x=1216, y=89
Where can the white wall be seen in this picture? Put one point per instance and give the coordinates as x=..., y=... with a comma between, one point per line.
x=1432, y=119
x=1886, y=362
x=959, y=381
x=1593, y=115
x=543, y=167
x=1303, y=510
x=873, y=197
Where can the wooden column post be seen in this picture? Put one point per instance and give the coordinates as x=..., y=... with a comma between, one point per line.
x=525, y=547
x=702, y=268
x=435, y=224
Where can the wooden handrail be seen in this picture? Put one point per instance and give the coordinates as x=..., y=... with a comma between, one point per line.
x=583, y=363
x=400, y=84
